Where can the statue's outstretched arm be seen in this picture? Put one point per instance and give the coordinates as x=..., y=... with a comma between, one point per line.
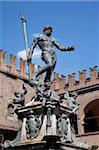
x=33, y=45
x=56, y=44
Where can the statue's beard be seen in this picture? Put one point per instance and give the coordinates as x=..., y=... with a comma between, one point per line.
x=49, y=34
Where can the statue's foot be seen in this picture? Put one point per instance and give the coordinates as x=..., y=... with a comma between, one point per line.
x=34, y=81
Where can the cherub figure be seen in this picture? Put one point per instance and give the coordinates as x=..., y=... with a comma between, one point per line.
x=19, y=101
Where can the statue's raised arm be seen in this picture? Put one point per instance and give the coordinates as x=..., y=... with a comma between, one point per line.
x=30, y=53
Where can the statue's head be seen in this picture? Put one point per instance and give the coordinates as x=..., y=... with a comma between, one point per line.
x=47, y=30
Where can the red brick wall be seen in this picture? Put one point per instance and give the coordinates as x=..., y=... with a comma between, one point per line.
x=11, y=80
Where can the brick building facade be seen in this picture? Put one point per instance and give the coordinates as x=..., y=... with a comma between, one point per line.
x=11, y=80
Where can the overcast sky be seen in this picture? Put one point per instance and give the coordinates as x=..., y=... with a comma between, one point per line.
x=75, y=23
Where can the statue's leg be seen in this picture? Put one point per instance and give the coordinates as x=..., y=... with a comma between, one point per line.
x=50, y=70
x=46, y=57
x=48, y=75
x=54, y=60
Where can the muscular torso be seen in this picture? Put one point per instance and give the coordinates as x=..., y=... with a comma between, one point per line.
x=45, y=43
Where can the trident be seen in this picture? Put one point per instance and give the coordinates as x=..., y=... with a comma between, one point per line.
x=23, y=19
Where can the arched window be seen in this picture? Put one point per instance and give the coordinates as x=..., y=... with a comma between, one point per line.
x=91, y=120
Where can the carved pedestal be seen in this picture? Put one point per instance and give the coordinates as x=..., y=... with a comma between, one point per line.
x=46, y=123
x=45, y=128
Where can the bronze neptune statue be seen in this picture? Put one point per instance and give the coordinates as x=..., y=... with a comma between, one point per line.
x=46, y=43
